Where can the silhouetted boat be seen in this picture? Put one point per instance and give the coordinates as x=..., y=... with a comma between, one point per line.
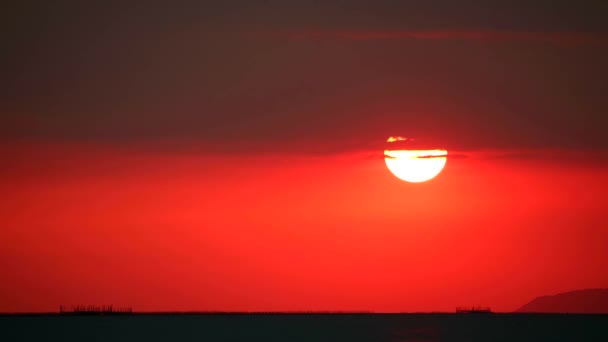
x=474, y=310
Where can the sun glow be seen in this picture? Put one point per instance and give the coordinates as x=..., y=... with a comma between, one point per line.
x=415, y=165
x=393, y=139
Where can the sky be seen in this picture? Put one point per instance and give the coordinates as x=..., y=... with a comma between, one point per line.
x=229, y=156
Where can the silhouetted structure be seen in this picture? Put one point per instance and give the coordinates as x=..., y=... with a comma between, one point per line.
x=473, y=309
x=94, y=310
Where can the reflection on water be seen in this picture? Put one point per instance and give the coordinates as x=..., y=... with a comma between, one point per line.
x=307, y=327
x=422, y=334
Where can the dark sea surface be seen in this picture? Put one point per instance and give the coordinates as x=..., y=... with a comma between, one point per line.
x=306, y=327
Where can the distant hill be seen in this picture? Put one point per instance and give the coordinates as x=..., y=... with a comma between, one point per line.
x=579, y=301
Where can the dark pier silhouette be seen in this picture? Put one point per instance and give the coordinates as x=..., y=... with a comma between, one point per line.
x=473, y=310
x=94, y=310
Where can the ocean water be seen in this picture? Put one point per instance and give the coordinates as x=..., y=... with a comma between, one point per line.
x=307, y=327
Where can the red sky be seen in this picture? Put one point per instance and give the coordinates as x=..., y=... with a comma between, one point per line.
x=251, y=231
x=228, y=155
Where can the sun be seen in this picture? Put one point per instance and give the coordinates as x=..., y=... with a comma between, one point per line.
x=414, y=165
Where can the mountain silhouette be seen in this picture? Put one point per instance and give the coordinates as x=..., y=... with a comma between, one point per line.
x=578, y=301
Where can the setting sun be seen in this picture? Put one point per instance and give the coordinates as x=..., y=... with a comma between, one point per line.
x=213, y=171
x=415, y=165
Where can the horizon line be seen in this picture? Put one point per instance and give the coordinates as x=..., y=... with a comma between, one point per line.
x=328, y=312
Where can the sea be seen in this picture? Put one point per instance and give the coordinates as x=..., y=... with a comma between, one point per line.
x=305, y=327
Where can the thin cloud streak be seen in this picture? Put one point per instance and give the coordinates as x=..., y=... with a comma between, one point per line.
x=562, y=38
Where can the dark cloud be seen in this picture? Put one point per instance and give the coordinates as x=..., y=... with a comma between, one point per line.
x=449, y=156
x=564, y=155
x=560, y=38
x=196, y=73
